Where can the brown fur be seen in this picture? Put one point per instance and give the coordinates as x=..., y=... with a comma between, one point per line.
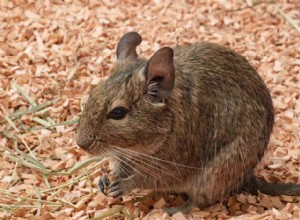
x=204, y=139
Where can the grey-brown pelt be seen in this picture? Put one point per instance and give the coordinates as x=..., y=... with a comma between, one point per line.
x=197, y=120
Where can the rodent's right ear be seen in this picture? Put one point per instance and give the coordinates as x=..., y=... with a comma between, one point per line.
x=160, y=75
x=126, y=48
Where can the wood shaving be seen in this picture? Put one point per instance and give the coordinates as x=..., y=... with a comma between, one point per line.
x=53, y=53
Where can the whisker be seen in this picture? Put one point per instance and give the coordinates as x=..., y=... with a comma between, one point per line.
x=140, y=156
x=145, y=163
x=159, y=159
x=165, y=171
x=176, y=166
x=120, y=165
x=118, y=157
x=158, y=162
x=149, y=171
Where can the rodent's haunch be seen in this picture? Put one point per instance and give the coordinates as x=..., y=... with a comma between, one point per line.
x=194, y=119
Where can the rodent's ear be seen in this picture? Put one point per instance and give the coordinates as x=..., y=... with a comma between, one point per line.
x=126, y=48
x=160, y=74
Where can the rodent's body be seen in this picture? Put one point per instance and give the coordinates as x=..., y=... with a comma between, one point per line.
x=223, y=118
x=197, y=122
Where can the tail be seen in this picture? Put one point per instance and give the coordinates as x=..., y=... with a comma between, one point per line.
x=276, y=189
x=272, y=189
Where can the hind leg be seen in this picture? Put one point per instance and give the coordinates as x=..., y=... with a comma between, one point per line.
x=225, y=173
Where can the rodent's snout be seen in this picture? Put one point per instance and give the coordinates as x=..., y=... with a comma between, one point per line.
x=84, y=142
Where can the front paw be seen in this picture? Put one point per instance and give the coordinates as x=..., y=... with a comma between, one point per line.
x=110, y=186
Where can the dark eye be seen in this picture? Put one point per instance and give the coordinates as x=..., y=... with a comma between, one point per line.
x=118, y=113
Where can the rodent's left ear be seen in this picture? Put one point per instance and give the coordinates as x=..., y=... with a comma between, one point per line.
x=160, y=75
x=126, y=48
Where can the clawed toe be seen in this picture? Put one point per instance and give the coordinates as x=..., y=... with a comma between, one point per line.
x=111, y=189
x=103, y=183
x=114, y=189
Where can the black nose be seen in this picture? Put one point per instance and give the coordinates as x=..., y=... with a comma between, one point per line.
x=84, y=142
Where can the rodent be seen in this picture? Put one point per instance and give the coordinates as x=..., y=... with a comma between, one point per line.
x=195, y=119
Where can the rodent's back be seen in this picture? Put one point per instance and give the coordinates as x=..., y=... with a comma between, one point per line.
x=222, y=97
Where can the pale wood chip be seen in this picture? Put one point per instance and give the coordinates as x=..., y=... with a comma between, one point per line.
x=61, y=50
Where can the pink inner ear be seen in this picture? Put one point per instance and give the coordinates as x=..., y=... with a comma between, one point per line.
x=162, y=71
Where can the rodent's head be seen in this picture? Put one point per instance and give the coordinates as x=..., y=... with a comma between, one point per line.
x=129, y=109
